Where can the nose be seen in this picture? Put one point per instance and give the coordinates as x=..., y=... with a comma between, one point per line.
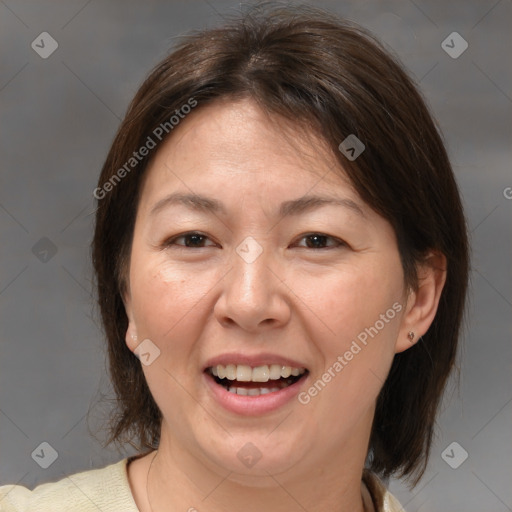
x=253, y=295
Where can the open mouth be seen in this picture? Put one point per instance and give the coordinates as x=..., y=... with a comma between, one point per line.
x=254, y=381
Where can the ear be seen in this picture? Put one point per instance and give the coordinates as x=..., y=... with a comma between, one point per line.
x=422, y=304
x=131, y=337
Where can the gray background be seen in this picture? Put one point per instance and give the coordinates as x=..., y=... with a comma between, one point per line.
x=59, y=116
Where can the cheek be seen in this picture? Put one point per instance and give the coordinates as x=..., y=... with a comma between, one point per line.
x=352, y=300
x=166, y=297
x=169, y=309
x=360, y=311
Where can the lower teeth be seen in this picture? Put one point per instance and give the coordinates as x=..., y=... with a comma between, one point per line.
x=252, y=391
x=258, y=391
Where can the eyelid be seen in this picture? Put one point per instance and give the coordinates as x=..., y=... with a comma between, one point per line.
x=171, y=240
x=338, y=241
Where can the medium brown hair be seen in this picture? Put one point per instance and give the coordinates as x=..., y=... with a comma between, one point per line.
x=335, y=79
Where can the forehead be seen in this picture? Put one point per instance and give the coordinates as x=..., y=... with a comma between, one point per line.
x=236, y=143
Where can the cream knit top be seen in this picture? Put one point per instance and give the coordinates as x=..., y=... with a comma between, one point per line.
x=108, y=489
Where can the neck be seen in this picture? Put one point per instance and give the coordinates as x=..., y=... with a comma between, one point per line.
x=177, y=481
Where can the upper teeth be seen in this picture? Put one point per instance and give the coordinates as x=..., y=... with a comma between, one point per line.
x=264, y=373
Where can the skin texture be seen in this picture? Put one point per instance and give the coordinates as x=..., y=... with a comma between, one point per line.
x=294, y=300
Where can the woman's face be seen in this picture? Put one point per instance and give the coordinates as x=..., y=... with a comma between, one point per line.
x=252, y=251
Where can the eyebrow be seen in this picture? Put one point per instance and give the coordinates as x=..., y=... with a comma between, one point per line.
x=288, y=208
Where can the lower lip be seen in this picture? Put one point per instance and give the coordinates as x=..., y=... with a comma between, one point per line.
x=252, y=405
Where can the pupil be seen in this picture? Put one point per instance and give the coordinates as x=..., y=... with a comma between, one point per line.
x=195, y=239
x=318, y=239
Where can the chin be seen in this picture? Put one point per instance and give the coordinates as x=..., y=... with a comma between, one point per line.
x=254, y=459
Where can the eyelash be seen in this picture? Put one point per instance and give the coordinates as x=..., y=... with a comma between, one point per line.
x=171, y=241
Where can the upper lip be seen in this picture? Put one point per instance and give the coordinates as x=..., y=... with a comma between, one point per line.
x=253, y=361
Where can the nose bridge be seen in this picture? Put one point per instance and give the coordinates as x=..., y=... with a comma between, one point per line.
x=252, y=278
x=252, y=294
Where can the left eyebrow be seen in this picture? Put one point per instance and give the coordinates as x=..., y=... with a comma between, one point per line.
x=288, y=208
x=308, y=203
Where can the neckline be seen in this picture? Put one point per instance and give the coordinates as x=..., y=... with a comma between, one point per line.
x=374, y=487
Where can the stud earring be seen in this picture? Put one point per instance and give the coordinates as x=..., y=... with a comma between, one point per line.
x=410, y=335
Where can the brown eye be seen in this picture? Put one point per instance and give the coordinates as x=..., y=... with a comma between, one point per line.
x=320, y=241
x=191, y=240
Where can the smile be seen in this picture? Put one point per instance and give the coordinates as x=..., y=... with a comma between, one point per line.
x=245, y=380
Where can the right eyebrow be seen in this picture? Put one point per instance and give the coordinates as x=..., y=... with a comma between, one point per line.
x=192, y=201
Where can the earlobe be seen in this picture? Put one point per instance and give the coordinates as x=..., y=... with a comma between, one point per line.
x=422, y=303
x=131, y=337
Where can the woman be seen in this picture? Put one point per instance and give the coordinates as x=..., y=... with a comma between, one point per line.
x=282, y=262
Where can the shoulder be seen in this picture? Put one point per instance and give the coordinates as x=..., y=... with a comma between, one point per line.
x=105, y=489
x=383, y=500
